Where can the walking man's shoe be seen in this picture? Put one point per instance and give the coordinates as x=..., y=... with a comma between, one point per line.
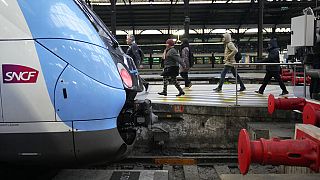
x=284, y=93
x=217, y=89
x=163, y=93
x=180, y=94
x=259, y=92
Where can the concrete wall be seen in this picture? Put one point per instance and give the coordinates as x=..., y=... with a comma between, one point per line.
x=203, y=127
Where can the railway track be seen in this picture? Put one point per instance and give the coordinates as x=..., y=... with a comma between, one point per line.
x=188, y=166
x=185, y=159
x=185, y=166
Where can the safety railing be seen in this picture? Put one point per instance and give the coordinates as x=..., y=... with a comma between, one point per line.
x=270, y=64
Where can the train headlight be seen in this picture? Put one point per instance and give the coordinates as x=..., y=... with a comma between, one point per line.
x=125, y=76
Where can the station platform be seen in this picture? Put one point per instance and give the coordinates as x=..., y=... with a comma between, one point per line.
x=203, y=95
x=212, y=77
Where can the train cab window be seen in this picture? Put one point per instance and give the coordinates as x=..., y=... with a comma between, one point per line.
x=101, y=28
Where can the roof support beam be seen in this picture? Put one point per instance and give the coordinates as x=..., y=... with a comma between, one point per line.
x=113, y=16
x=245, y=15
x=170, y=16
x=186, y=18
x=260, y=28
x=132, y=20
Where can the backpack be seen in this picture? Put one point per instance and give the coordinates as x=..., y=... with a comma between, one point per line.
x=191, y=59
x=238, y=55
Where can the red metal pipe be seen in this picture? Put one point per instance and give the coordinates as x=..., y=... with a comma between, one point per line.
x=300, y=80
x=288, y=73
x=286, y=78
x=311, y=114
x=284, y=70
x=285, y=103
x=304, y=152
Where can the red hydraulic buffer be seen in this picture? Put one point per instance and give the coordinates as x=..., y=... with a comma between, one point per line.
x=311, y=114
x=286, y=72
x=285, y=103
x=302, y=152
x=300, y=80
x=290, y=73
x=286, y=78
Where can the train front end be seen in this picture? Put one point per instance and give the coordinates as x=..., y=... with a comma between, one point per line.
x=67, y=89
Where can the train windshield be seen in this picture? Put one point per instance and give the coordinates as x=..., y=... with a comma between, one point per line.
x=101, y=28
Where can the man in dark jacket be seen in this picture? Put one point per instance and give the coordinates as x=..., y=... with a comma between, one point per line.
x=272, y=70
x=134, y=52
x=171, y=68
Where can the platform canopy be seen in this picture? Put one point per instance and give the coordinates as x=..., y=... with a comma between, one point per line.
x=214, y=13
x=158, y=19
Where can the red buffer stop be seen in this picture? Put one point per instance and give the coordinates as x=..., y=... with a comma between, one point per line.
x=286, y=78
x=311, y=114
x=300, y=80
x=302, y=152
x=285, y=103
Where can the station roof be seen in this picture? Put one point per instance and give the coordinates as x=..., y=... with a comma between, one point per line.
x=206, y=17
x=160, y=14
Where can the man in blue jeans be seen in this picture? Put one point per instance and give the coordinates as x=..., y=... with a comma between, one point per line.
x=229, y=52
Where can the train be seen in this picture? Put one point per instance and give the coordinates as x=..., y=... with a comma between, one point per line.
x=68, y=89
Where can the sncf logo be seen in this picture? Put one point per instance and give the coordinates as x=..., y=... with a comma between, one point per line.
x=18, y=74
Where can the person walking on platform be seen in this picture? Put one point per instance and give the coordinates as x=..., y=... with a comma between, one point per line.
x=185, y=65
x=272, y=70
x=171, y=68
x=230, y=51
x=137, y=55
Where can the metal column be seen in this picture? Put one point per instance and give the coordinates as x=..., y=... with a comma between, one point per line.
x=132, y=18
x=113, y=17
x=304, y=82
x=236, y=68
x=186, y=18
x=170, y=14
x=260, y=27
